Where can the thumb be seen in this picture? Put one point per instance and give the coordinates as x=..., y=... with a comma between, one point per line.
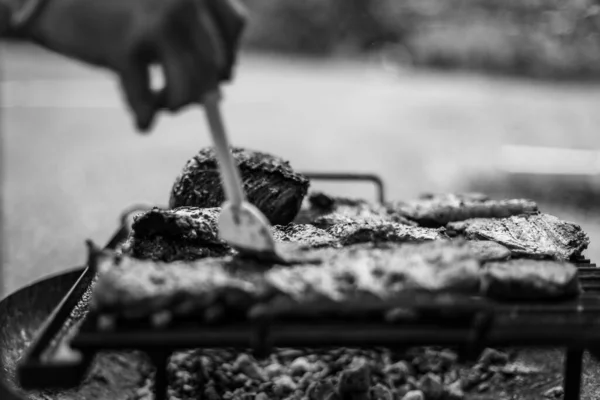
x=135, y=82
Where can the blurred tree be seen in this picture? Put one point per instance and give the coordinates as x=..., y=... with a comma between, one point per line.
x=537, y=38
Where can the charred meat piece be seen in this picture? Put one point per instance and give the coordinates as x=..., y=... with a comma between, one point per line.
x=191, y=233
x=167, y=250
x=269, y=183
x=183, y=233
x=306, y=236
x=438, y=210
x=372, y=272
x=324, y=211
x=482, y=250
x=135, y=288
x=382, y=232
x=486, y=250
x=530, y=280
x=535, y=235
x=183, y=223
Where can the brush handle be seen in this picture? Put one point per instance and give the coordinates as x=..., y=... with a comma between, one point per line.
x=230, y=173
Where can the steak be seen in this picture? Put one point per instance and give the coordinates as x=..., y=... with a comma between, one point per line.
x=530, y=280
x=190, y=224
x=534, y=235
x=136, y=288
x=440, y=209
x=161, y=249
x=486, y=250
x=269, y=183
x=306, y=236
x=324, y=211
x=191, y=233
x=183, y=233
x=364, y=232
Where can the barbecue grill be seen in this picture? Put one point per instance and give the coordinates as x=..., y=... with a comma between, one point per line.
x=468, y=323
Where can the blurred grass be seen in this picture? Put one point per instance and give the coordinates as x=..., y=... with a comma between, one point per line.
x=546, y=39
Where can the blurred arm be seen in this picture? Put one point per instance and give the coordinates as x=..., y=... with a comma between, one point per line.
x=4, y=19
x=9, y=10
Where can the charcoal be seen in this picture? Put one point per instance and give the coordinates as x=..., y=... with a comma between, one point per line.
x=319, y=390
x=431, y=385
x=380, y=392
x=246, y=365
x=493, y=357
x=300, y=366
x=269, y=183
x=534, y=236
x=414, y=395
x=325, y=211
x=530, y=280
x=441, y=209
x=355, y=381
x=340, y=373
x=454, y=391
x=400, y=371
x=555, y=392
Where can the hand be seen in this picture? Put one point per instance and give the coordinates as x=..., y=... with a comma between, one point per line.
x=194, y=41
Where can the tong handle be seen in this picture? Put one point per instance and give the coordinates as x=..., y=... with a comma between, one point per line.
x=230, y=173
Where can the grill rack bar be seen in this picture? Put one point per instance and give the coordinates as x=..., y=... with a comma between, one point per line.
x=476, y=333
x=531, y=327
x=345, y=177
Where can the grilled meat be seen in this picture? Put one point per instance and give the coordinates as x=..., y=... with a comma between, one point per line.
x=363, y=232
x=530, y=280
x=168, y=250
x=486, y=250
x=438, y=210
x=324, y=211
x=269, y=183
x=534, y=235
x=192, y=224
x=136, y=288
x=190, y=233
x=183, y=233
x=306, y=236
x=482, y=250
x=140, y=288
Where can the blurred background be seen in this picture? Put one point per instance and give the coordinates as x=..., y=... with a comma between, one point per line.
x=432, y=95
